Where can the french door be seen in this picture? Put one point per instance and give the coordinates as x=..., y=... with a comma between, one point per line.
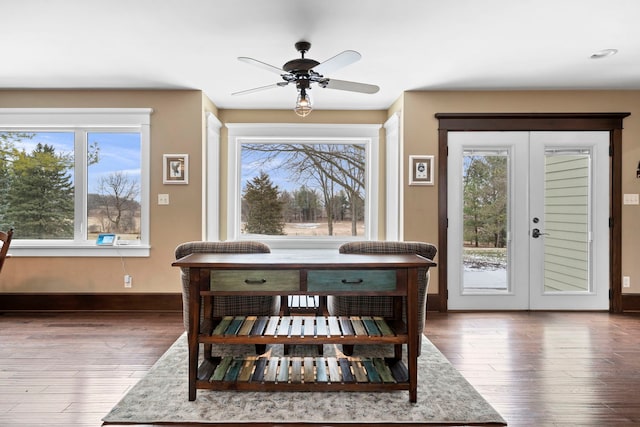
x=528, y=218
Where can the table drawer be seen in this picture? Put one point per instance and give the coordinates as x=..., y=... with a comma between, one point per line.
x=351, y=280
x=255, y=280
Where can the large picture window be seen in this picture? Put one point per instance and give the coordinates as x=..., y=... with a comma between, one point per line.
x=308, y=187
x=68, y=175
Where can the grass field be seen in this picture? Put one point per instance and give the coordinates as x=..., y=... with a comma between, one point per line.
x=485, y=258
x=340, y=228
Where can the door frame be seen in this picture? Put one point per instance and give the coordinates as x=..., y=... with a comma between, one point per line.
x=610, y=122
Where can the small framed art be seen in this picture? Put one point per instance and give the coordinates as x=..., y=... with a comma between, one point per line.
x=175, y=169
x=420, y=170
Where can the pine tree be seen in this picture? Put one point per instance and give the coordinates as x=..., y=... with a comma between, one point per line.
x=7, y=153
x=41, y=195
x=308, y=201
x=485, y=203
x=264, y=213
x=5, y=184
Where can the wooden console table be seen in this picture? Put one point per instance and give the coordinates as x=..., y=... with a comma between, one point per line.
x=277, y=275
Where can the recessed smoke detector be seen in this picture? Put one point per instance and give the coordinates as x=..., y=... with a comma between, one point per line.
x=604, y=53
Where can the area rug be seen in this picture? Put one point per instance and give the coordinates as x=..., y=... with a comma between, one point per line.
x=444, y=397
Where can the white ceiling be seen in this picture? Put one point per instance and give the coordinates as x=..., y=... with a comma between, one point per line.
x=405, y=45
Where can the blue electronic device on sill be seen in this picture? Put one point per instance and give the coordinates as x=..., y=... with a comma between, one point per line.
x=106, y=239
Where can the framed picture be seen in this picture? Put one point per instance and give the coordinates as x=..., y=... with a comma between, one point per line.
x=421, y=170
x=175, y=169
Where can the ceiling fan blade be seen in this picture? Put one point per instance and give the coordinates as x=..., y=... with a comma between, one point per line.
x=351, y=86
x=340, y=60
x=261, y=64
x=261, y=88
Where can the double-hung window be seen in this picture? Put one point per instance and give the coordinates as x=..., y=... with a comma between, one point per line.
x=303, y=186
x=68, y=175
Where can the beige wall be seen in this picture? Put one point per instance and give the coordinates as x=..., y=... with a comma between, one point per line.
x=176, y=127
x=287, y=116
x=421, y=137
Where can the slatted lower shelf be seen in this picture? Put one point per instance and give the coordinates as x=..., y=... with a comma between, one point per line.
x=269, y=373
x=294, y=329
x=302, y=373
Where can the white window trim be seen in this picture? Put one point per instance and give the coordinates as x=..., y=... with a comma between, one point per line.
x=87, y=119
x=211, y=180
x=318, y=133
x=394, y=228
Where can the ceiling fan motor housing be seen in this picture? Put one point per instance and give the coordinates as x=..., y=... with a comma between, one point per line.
x=300, y=65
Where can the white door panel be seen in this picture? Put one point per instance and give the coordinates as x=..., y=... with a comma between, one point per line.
x=569, y=195
x=484, y=285
x=554, y=182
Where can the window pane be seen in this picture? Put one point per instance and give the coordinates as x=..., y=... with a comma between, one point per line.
x=485, y=201
x=113, y=184
x=566, y=218
x=37, y=175
x=306, y=190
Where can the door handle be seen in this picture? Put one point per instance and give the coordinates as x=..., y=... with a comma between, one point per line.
x=535, y=233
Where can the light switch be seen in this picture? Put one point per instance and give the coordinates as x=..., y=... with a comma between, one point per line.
x=163, y=199
x=631, y=199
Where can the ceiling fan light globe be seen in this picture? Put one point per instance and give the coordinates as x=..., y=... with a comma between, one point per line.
x=303, y=104
x=303, y=111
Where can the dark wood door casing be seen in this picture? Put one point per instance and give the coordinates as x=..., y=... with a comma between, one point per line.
x=610, y=122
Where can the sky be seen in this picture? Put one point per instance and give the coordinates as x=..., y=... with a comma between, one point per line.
x=254, y=162
x=121, y=152
x=117, y=152
x=274, y=165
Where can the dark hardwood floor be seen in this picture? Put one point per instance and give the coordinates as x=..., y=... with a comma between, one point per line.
x=547, y=368
x=70, y=369
x=536, y=369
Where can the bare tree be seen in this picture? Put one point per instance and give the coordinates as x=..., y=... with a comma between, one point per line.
x=331, y=166
x=118, y=193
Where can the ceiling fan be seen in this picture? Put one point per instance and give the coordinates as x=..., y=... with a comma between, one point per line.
x=304, y=71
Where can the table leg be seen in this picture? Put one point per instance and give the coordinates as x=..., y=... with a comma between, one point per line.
x=397, y=351
x=412, y=321
x=207, y=314
x=398, y=307
x=194, y=329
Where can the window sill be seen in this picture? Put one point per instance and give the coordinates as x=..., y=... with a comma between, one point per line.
x=301, y=243
x=309, y=252
x=77, y=250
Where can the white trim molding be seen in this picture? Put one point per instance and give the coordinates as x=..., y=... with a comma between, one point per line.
x=394, y=203
x=367, y=134
x=84, y=120
x=211, y=180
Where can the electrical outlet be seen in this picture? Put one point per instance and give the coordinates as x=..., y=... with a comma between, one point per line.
x=626, y=282
x=127, y=281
